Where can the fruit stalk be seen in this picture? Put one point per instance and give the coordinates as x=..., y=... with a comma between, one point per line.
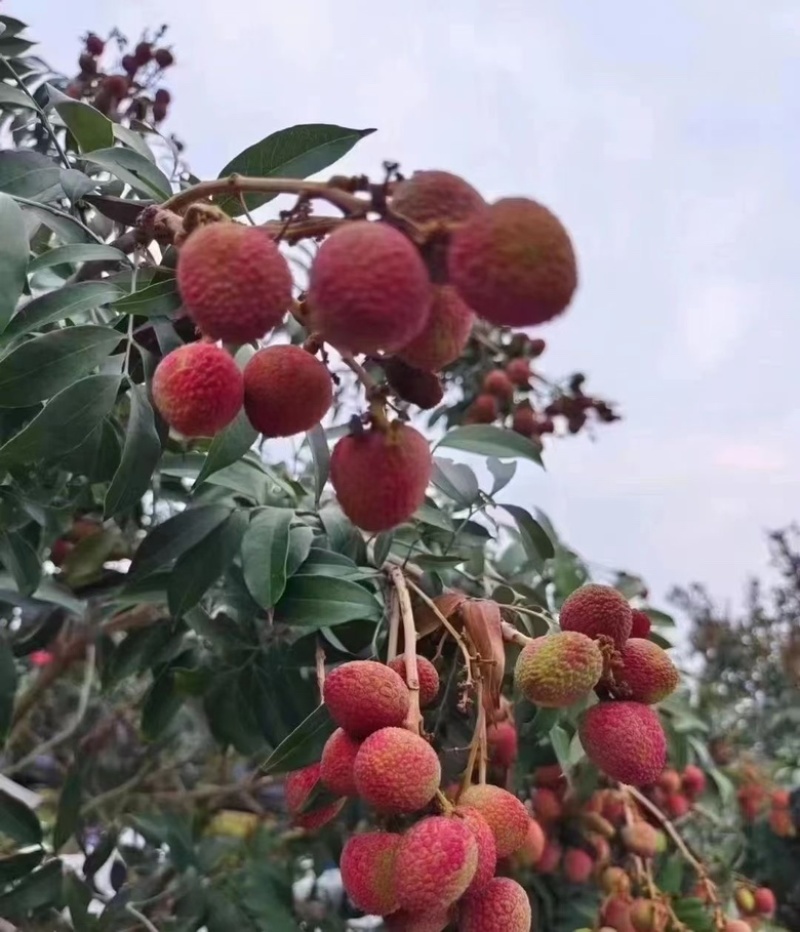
x=414, y=720
x=512, y=636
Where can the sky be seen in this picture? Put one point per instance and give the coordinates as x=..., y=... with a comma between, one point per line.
x=665, y=135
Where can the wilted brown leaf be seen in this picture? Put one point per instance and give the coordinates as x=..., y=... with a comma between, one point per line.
x=426, y=620
x=483, y=624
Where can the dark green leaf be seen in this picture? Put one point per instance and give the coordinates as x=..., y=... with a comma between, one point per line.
x=662, y=619
x=71, y=255
x=77, y=897
x=231, y=714
x=491, y=441
x=30, y=175
x=304, y=745
x=39, y=889
x=456, y=480
x=8, y=687
x=228, y=447
x=670, y=874
x=12, y=26
x=560, y=740
x=199, y=568
x=381, y=548
x=140, y=456
x=502, y=472
x=694, y=914
x=134, y=169
x=64, y=422
x=323, y=601
x=168, y=541
x=14, y=97
x=22, y=561
x=67, y=229
x=90, y=128
x=76, y=185
x=265, y=549
x=69, y=806
x=13, y=257
x=296, y=152
x=161, y=299
x=18, y=822
x=67, y=302
x=141, y=650
x=43, y=366
x=320, y=453
x=300, y=541
x=161, y=704
x=18, y=865
x=538, y=545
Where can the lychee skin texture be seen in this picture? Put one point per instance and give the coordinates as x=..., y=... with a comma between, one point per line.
x=640, y=624
x=380, y=477
x=336, y=764
x=533, y=847
x=367, y=865
x=368, y=289
x=595, y=611
x=286, y=391
x=578, y=865
x=557, y=670
x=363, y=696
x=402, y=921
x=487, y=848
x=444, y=336
x=426, y=673
x=507, y=816
x=502, y=906
x=436, y=862
x=649, y=915
x=547, y=805
x=646, y=674
x=234, y=282
x=625, y=740
x=198, y=389
x=396, y=771
x=513, y=263
x=436, y=195
x=297, y=787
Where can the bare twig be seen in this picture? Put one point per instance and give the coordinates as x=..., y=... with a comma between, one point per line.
x=394, y=626
x=320, y=663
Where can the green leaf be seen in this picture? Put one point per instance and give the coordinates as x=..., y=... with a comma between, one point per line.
x=19, y=865
x=8, y=687
x=160, y=299
x=160, y=706
x=77, y=898
x=199, y=568
x=90, y=128
x=134, y=169
x=43, y=366
x=18, y=822
x=66, y=302
x=456, y=480
x=670, y=874
x=69, y=806
x=502, y=472
x=321, y=456
x=228, y=447
x=323, y=601
x=13, y=257
x=22, y=561
x=491, y=441
x=79, y=252
x=537, y=544
x=300, y=541
x=303, y=746
x=30, y=175
x=382, y=547
x=662, y=619
x=14, y=97
x=41, y=888
x=296, y=152
x=265, y=549
x=140, y=456
x=561, y=741
x=693, y=914
x=170, y=540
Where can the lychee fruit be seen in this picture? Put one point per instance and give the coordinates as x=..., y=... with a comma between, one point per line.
x=380, y=476
x=436, y=862
x=234, y=282
x=497, y=383
x=368, y=289
x=745, y=900
x=557, y=670
x=676, y=805
x=764, y=901
x=513, y=263
x=670, y=781
x=737, y=925
x=550, y=859
x=116, y=86
x=640, y=838
x=336, y=764
x=640, y=624
x=533, y=846
x=577, y=865
x=503, y=744
x=297, y=789
x=507, y=816
x=286, y=391
x=434, y=195
x=396, y=771
x=550, y=775
x=164, y=58
x=162, y=96
x=519, y=372
x=501, y=906
x=198, y=389
x=547, y=805
x=649, y=915
x=645, y=673
x=368, y=871
x=615, y=880
x=524, y=420
x=693, y=781
x=426, y=673
x=363, y=696
x=143, y=53
x=417, y=386
x=625, y=740
x=487, y=847
x=402, y=921
x=483, y=410
x=444, y=336
x=595, y=611
x=779, y=799
x=94, y=44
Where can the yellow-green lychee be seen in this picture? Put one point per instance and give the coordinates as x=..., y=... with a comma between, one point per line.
x=598, y=611
x=433, y=195
x=641, y=839
x=649, y=915
x=625, y=740
x=501, y=906
x=368, y=871
x=645, y=673
x=363, y=696
x=445, y=334
x=337, y=762
x=396, y=771
x=557, y=670
x=507, y=816
x=426, y=673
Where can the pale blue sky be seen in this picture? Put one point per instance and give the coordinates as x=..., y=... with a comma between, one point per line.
x=665, y=134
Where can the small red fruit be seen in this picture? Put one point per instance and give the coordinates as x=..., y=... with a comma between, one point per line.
x=577, y=865
x=297, y=789
x=503, y=744
x=519, y=372
x=483, y=410
x=640, y=624
x=764, y=901
x=162, y=96
x=336, y=765
x=164, y=58
x=143, y=53
x=694, y=781
x=497, y=383
x=426, y=673
x=94, y=44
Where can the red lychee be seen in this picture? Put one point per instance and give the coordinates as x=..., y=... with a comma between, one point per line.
x=368, y=871
x=547, y=805
x=670, y=781
x=368, y=289
x=483, y=410
x=676, y=805
x=198, y=389
x=519, y=372
x=402, y=921
x=436, y=862
x=507, y=816
x=487, y=847
x=502, y=744
x=524, y=420
x=513, y=263
x=497, y=383
x=640, y=624
x=645, y=674
x=577, y=865
x=380, y=476
x=557, y=670
x=363, y=696
x=550, y=859
x=162, y=96
x=764, y=901
x=693, y=781
x=502, y=906
x=616, y=914
x=737, y=925
x=625, y=740
x=234, y=282
x=336, y=765
x=533, y=846
x=549, y=775
x=396, y=771
x=417, y=386
x=435, y=195
x=649, y=915
x=426, y=673
x=94, y=44
x=297, y=789
x=640, y=838
x=164, y=58
x=286, y=391
x=116, y=86
x=143, y=53
x=596, y=611
x=444, y=336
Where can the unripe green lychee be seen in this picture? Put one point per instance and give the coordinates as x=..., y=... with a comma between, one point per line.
x=418, y=387
x=435, y=195
x=641, y=839
x=234, y=282
x=501, y=906
x=487, y=847
x=596, y=611
x=577, y=865
x=402, y=921
x=436, y=862
x=513, y=263
x=444, y=336
x=745, y=900
x=645, y=673
x=483, y=410
x=625, y=740
x=396, y=771
x=368, y=289
x=497, y=383
x=649, y=915
x=336, y=764
x=507, y=816
x=380, y=476
x=363, y=696
x=640, y=624
x=558, y=670
x=426, y=673
x=198, y=389
x=286, y=391
x=297, y=788
x=368, y=871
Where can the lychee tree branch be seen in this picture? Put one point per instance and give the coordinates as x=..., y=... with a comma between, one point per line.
x=414, y=720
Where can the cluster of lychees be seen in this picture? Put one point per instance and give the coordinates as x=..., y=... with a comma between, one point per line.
x=437, y=862
x=674, y=793
x=374, y=289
